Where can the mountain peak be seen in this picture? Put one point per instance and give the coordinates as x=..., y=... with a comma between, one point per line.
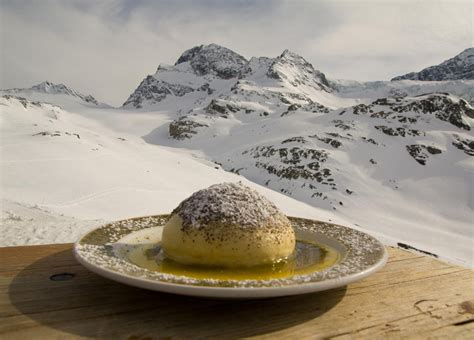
x=459, y=67
x=202, y=50
x=213, y=59
x=48, y=87
x=290, y=54
x=467, y=53
x=45, y=83
x=294, y=68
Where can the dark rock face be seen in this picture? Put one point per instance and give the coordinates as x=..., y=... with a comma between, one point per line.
x=214, y=59
x=343, y=125
x=399, y=131
x=369, y=140
x=57, y=134
x=154, y=91
x=295, y=140
x=184, y=128
x=333, y=140
x=293, y=163
x=419, y=152
x=221, y=108
x=206, y=88
x=464, y=144
x=441, y=105
x=459, y=67
x=310, y=107
x=189, y=54
x=90, y=99
x=328, y=140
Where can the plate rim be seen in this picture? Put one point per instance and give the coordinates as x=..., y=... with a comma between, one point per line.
x=229, y=292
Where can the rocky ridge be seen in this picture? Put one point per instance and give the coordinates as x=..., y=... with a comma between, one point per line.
x=48, y=87
x=213, y=59
x=207, y=72
x=458, y=67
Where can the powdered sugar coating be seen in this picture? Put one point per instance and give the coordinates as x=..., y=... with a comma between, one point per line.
x=229, y=203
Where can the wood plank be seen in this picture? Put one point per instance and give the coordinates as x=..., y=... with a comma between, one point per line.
x=413, y=296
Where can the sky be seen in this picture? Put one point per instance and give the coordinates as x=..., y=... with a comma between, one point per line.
x=105, y=48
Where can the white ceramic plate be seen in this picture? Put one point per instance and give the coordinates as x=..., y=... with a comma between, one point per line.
x=104, y=251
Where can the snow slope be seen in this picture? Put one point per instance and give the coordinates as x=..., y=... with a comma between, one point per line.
x=63, y=174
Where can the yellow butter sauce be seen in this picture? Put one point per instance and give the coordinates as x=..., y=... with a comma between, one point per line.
x=307, y=258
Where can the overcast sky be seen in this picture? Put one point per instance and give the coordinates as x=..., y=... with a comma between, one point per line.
x=105, y=48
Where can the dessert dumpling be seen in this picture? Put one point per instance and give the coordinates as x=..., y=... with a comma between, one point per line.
x=229, y=225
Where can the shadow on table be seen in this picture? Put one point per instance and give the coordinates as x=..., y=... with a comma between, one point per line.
x=88, y=305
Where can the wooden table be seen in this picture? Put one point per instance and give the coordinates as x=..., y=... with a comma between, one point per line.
x=414, y=295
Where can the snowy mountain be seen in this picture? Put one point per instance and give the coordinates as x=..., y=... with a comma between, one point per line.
x=58, y=94
x=459, y=67
x=200, y=69
x=212, y=71
x=213, y=59
x=295, y=70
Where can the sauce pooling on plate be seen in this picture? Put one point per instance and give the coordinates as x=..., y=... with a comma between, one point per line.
x=308, y=257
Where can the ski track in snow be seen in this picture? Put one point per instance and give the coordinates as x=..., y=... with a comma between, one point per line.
x=103, y=193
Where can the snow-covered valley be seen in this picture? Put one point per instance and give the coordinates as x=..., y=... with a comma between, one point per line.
x=63, y=173
x=390, y=158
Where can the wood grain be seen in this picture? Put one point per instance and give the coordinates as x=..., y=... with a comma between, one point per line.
x=413, y=296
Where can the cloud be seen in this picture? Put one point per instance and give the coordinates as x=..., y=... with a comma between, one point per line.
x=106, y=48
x=395, y=38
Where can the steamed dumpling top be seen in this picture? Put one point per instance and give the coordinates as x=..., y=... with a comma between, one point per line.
x=227, y=203
x=230, y=225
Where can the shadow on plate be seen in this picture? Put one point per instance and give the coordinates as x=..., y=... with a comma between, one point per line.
x=58, y=293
